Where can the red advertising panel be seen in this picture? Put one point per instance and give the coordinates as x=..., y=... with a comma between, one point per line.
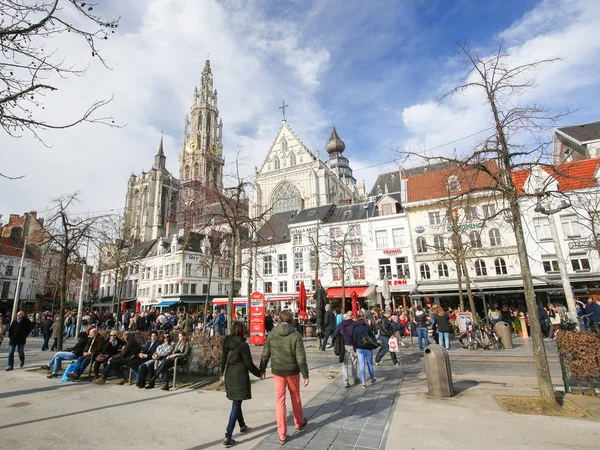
x=257, y=319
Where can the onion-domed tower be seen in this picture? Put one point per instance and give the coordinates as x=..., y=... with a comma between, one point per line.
x=338, y=163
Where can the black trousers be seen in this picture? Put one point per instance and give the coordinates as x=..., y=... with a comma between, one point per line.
x=164, y=367
x=146, y=368
x=115, y=365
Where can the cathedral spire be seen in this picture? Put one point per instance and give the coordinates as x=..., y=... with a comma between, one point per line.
x=160, y=159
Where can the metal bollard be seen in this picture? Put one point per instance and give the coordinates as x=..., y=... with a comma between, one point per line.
x=439, y=374
x=503, y=332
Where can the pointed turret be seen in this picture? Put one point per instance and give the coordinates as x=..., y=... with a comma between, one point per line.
x=335, y=143
x=160, y=159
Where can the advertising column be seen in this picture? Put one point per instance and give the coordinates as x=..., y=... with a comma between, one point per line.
x=257, y=319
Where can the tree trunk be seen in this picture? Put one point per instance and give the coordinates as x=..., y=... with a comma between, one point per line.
x=231, y=282
x=210, y=273
x=61, y=309
x=461, y=298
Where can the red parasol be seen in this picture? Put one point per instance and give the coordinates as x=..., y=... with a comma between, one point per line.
x=354, y=298
x=138, y=307
x=123, y=307
x=302, y=301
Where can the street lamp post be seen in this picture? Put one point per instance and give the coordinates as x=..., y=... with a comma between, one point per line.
x=81, y=289
x=18, y=288
x=548, y=211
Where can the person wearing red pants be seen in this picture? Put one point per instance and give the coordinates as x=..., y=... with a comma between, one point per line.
x=285, y=349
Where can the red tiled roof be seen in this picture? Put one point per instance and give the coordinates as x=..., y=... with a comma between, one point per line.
x=432, y=185
x=9, y=248
x=570, y=176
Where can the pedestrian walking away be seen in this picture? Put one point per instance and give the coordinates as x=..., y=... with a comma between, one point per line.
x=18, y=331
x=363, y=344
x=386, y=330
x=236, y=362
x=46, y=331
x=345, y=332
x=285, y=349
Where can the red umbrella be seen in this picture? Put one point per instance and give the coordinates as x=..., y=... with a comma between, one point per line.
x=302, y=300
x=138, y=307
x=123, y=308
x=354, y=298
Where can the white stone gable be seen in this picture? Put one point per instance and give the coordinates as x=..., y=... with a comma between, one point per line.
x=287, y=148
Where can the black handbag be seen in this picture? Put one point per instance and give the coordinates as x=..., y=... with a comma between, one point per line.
x=367, y=342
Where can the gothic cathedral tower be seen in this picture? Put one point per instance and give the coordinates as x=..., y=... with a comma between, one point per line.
x=202, y=156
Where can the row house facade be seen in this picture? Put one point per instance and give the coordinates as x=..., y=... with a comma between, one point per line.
x=171, y=272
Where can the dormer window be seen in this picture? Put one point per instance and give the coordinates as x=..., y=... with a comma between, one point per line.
x=453, y=184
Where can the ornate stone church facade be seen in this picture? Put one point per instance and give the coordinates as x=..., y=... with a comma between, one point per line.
x=156, y=198
x=293, y=178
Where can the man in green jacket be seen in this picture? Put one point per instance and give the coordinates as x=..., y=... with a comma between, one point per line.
x=285, y=349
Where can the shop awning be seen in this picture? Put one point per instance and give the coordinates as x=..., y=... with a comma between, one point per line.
x=161, y=304
x=361, y=291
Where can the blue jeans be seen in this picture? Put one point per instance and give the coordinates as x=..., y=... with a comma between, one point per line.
x=70, y=331
x=58, y=358
x=84, y=361
x=235, y=416
x=422, y=333
x=45, y=344
x=11, y=354
x=444, y=336
x=365, y=357
x=385, y=347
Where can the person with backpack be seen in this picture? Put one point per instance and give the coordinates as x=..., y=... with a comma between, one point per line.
x=363, y=344
x=386, y=330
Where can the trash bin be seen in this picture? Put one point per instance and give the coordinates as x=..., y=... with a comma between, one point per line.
x=503, y=332
x=439, y=374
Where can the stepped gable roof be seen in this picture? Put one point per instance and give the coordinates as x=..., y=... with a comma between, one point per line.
x=434, y=185
x=583, y=133
x=8, y=247
x=570, y=176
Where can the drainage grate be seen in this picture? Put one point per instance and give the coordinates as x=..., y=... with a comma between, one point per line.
x=19, y=405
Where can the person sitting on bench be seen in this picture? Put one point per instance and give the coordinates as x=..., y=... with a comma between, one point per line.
x=181, y=352
x=132, y=348
x=71, y=353
x=94, y=345
x=165, y=349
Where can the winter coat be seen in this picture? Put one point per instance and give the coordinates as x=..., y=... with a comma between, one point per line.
x=237, y=380
x=285, y=348
x=79, y=346
x=110, y=349
x=54, y=330
x=187, y=327
x=594, y=310
x=329, y=321
x=132, y=347
x=18, y=331
x=347, y=327
x=46, y=326
x=443, y=323
x=3, y=328
x=421, y=319
x=339, y=349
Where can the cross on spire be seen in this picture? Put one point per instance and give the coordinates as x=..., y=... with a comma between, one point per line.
x=282, y=107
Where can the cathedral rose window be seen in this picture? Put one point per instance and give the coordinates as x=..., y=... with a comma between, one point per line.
x=286, y=198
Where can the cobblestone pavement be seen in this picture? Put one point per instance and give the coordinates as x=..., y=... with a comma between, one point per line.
x=345, y=418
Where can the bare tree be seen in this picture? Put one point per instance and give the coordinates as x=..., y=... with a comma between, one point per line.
x=66, y=233
x=30, y=63
x=516, y=143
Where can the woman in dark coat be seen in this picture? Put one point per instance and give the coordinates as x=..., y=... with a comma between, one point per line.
x=236, y=361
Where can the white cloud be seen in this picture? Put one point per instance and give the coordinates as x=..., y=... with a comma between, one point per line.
x=566, y=29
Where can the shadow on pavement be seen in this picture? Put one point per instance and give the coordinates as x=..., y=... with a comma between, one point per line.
x=74, y=413
x=463, y=385
x=33, y=391
x=245, y=440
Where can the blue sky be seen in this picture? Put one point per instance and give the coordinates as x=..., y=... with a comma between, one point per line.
x=374, y=68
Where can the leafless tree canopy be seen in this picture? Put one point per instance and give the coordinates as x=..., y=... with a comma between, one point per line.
x=30, y=62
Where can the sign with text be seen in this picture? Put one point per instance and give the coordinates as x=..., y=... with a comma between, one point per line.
x=257, y=319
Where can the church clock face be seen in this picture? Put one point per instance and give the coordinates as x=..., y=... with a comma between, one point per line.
x=192, y=146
